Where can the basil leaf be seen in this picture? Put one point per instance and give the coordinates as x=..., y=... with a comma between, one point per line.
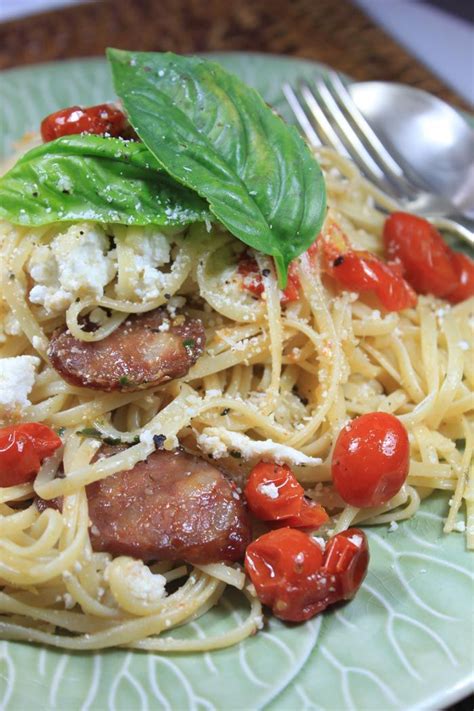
x=215, y=135
x=89, y=177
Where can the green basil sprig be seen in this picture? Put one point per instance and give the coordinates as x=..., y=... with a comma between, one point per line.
x=215, y=135
x=88, y=177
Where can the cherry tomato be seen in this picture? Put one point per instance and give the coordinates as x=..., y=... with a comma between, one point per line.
x=363, y=271
x=22, y=450
x=253, y=282
x=310, y=517
x=272, y=492
x=293, y=576
x=465, y=285
x=371, y=459
x=100, y=120
x=425, y=256
x=347, y=557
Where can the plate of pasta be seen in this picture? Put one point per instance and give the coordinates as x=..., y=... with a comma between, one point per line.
x=236, y=408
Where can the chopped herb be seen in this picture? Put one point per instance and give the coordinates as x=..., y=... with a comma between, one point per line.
x=266, y=272
x=124, y=380
x=60, y=431
x=89, y=432
x=235, y=453
x=113, y=441
x=189, y=343
x=159, y=440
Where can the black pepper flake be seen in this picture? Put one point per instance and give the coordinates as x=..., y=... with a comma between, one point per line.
x=159, y=440
x=266, y=272
x=225, y=411
x=65, y=192
x=235, y=453
x=167, y=296
x=338, y=261
x=35, y=194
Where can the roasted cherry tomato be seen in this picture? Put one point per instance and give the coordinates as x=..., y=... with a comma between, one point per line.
x=252, y=279
x=22, y=450
x=371, y=459
x=465, y=284
x=103, y=119
x=273, y=494
x=362, y=271
x=310, y=517
x=347, y=557
x=293, y=576
x=430, y=265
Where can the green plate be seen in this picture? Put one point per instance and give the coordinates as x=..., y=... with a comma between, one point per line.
x=405, y=642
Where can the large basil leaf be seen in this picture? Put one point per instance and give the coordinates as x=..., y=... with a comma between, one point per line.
x=88, y=177
x=215, y=135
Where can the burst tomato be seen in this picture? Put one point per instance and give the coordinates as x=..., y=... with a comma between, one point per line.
x=273, y=494
x=430, y=265
x=103, y=119
x=293, y=576
x=22, y=450
x=252, y=279
x=371, y=459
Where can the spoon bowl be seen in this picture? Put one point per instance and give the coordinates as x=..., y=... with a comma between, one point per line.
x=431, y=141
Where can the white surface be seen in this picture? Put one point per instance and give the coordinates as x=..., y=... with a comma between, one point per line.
x=443, y=42
x=9, y=9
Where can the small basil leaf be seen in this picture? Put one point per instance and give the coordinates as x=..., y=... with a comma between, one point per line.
x=215, y=135
x=89, y=177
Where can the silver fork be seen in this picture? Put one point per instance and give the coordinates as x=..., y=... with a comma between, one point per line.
x=323, y=121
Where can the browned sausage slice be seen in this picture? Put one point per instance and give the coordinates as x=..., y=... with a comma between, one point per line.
x=173, y=506
x=144, y=351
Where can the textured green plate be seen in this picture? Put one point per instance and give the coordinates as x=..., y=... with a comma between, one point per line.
x=405, y=642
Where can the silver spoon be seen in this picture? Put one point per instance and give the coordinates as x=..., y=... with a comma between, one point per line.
x=431, y=141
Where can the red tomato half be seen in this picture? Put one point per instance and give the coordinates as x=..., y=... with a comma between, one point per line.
x=311, y=516
x=22, y=450
x=272, y=492
x=103, y=119
x=371, y=459
x=425, y=256
x=362, y=271
x=465, y=284
x=293, y=576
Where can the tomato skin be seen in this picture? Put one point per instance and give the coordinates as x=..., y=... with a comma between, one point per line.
x=370, y=461
x=100, y=120
x=274, y=495
x=293, y=576
x=425, y=256
x=310, y=517
x=22, y=450
x=253, y=282
x=347, y=557
x=272, y=492
x=465, y=286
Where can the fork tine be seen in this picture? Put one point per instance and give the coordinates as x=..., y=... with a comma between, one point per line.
x=300, y=115
x=321, y=121
x=356, y=149
x=379, y=152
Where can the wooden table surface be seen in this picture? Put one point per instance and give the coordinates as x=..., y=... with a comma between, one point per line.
x=330, y=31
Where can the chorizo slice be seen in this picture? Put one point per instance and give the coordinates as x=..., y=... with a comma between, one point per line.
x=173, y=506
x=144, y=351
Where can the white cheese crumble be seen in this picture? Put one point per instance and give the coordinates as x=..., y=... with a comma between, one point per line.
x=270, y=490
x=460, y=526
x=218, y=441
x=393, y=526
x=142, y=583
x=17, y=377
x=149, y=250
x=76, y=263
